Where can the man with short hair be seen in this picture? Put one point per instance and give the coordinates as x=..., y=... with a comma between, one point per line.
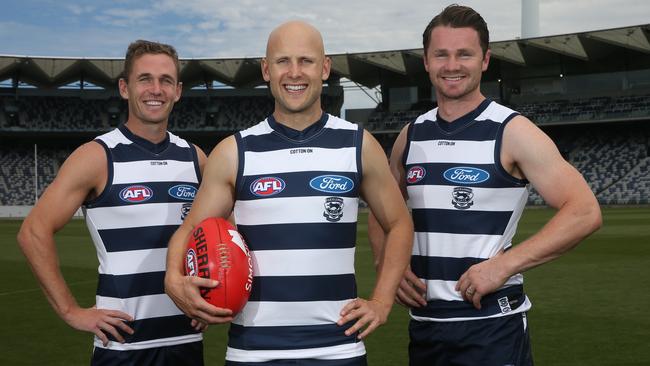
x=135, y=184
x=303, y=309
x=465, y=168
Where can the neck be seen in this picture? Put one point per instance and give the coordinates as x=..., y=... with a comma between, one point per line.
x=153, y=132
x=450, y=109
x=300, y=120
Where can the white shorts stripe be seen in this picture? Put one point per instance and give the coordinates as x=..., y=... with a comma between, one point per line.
x=340, y=352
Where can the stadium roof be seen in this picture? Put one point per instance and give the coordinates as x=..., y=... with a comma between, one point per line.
x=369, y=68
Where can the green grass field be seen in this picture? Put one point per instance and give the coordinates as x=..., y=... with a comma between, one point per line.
x=590, y=307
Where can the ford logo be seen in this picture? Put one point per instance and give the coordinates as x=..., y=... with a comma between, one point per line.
x=332, y=184
x=136, y=194
x=466, y=175
x=182, y=192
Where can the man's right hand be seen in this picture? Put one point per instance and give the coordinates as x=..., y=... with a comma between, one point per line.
x=100, y=322
x=185, y=292
x=411, y=291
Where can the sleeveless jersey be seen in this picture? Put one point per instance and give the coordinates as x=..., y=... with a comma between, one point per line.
x=465, y=209
x=296, y=207
x=149, y=191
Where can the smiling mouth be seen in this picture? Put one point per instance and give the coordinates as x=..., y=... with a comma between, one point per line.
x=153, y=103
x=452, y=78
x=292, y=88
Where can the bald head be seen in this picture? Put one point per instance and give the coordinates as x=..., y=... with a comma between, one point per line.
x=297, y=34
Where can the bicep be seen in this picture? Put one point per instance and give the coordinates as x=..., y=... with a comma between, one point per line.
x=537, y=157
x=379, y=188
x=215, y=197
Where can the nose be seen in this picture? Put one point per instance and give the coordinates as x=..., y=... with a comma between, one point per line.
x=452, y=63
x=294, y=69
x=155, y=87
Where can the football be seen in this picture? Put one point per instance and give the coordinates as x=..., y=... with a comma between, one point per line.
x=216, y=250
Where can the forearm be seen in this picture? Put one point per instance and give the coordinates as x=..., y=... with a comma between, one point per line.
x=393, y=261
x=570, y=225
x=376, y=237
x=40, y=252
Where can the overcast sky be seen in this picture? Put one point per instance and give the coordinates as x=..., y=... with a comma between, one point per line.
x=225, y=29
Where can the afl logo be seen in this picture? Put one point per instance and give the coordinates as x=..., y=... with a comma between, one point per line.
x=466, y=175
x=183, y=192
x=332, y=184
x=190, y=262
x=267, y=186
x=136, y=194
x=415, y=174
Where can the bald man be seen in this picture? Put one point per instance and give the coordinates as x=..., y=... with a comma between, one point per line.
x=304, y=308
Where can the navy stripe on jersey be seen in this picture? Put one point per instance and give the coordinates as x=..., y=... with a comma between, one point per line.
x=289, y=337
x=460, y=222
x=441, y=268
x=299, y=186
x=131, y=285
x=126, y=153
x=157, y=328
x=160, y=193
x=304, y=288
x=137, y=238
x=328, y=138
x=490, y=305
x=480, y=131
x=286, y=236
x=435, y=175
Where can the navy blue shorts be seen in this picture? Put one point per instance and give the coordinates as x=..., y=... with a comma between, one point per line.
x=187, y=354
x=502, y=341
x=356, y=361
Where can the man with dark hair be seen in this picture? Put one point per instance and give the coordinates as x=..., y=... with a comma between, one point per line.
x=465, y=168
x=304, y=308
x=135, y=185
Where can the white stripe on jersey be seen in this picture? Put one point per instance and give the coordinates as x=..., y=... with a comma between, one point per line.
x=470, y=152
x=291, y=210
x=134, y=261
x=135, y=215
x=336, y=123
x=456, y=245
x=141, y=307
x=485, y=199
x=293, y=313
x=160, y=342
x=304, y=262
x=340, y=352
x=259, y=129
x=495, y=112
x=281, y=161
x=144, y=171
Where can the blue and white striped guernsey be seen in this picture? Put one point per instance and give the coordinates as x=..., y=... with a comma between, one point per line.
x=149, y=191
x=465, y=209
x=296, y=206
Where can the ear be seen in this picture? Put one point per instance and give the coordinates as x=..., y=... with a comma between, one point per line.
x=124, y=90
x=424, y=60
x=265, y=69
x=179, y=91
x=327, y=67
x=486, y=60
